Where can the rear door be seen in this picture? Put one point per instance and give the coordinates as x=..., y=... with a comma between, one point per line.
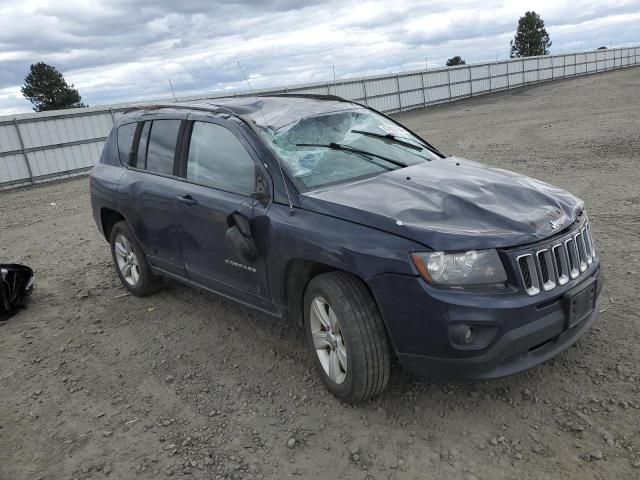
x=149, y=188
x=220, y=171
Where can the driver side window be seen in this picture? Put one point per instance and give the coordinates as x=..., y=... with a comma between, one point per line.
x=218, y=159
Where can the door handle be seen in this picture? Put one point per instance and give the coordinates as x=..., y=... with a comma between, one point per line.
x=187, y=200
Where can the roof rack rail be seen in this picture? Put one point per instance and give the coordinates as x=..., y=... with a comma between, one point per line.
x=317, y=96
x=182, y=106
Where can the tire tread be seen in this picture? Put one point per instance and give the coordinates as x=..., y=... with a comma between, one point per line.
x=149, y=282
x=355, y=296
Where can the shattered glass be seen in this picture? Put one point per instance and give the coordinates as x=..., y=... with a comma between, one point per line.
x=316, y=166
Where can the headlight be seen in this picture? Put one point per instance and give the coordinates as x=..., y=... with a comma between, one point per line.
x=475, y=267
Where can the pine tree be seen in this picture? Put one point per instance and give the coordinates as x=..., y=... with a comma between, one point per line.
x=457, y=60
x=47, y=89
x=531, y=37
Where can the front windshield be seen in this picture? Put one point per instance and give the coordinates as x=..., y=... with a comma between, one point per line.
x=321, y=149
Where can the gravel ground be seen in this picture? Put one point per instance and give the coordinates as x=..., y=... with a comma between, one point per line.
x=95, y=384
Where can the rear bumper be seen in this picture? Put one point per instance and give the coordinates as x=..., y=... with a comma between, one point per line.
x=523, y=331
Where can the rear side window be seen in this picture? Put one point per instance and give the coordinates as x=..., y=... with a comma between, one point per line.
x=162, y=146
x=217, y=158
x=125, y=141
x=141, y=160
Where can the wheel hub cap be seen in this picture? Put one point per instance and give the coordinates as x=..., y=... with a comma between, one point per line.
x=328, y=340
x=126, y=260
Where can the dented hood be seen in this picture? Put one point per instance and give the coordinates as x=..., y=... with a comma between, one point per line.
x=452, y=204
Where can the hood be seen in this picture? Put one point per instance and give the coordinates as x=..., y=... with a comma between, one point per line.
x=452, y=204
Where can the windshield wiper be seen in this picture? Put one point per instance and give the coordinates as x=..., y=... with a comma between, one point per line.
x=391, y=137
x=344, y=148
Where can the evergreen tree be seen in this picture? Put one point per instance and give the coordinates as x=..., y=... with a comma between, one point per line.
x=531, y=37
x=457, y=60
x=46, y=89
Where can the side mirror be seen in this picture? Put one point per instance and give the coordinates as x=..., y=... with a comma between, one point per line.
x=244, y=247
x=240, y=239
x=236, y=219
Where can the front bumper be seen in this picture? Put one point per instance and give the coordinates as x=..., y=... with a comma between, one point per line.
x=527, y=330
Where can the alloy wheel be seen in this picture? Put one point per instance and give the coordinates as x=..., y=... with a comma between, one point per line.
x=127, y=260
x=328, y=340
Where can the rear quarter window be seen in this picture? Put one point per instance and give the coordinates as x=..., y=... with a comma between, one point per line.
x=141, y=159
x=162, y=146
x=110, y=155
x=126, y=133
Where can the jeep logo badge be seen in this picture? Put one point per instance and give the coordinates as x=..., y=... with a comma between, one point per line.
x=558, y=222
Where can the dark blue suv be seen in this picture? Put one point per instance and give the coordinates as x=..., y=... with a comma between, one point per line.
x=333, y=216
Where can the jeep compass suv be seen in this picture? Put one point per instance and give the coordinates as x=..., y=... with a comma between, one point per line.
x=335, y=217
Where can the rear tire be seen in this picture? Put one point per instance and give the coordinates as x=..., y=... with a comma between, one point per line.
x=346, y=336
x=130, y=262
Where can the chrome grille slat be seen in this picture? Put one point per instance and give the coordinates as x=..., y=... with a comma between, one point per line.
x=547, y=270
x=554, y=265
x=589, y=240
x=572, y=254
x=582, y=252
x=529, y=274
x=587, y=248
x=561, y=263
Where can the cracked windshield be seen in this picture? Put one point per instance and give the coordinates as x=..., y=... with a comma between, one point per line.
x=342, y=146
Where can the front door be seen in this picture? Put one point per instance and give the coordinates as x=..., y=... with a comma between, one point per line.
x=219, y=176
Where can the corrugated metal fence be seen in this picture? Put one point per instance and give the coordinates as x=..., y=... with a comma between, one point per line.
x=38, y=147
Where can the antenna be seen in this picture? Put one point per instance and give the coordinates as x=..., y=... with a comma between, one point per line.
x=284, y=179
x=246, y=79
x=172, y=92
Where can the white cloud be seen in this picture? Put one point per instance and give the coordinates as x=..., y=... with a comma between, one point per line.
x=121, y=50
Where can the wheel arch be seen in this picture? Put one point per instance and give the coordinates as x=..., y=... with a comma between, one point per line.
x=298, y=273
x=108, y=218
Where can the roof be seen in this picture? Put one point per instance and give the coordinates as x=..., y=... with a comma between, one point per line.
x=274, y=111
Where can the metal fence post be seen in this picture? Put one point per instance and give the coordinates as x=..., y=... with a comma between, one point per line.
x=508, y=75
x=490, y=77
x=620, y=59
x=564, y=66
x=449, y=82
x=24, y=153
x=399, y=94
x=113, y=117
x=470, y=83
x=424, y=91
x=364, y=90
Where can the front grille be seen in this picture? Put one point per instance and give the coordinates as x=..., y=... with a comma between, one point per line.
x=555, y=264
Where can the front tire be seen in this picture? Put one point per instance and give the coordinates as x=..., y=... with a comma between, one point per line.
x=346, y=336
x=130, y=262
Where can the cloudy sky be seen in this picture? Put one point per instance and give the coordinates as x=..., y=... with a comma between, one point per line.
x=122, y=50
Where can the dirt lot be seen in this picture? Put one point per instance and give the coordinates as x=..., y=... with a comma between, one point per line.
x=95, y=384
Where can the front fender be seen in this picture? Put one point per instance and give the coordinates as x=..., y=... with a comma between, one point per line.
x=363, y=251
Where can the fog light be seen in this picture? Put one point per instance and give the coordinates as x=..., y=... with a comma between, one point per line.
x=462, y=334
